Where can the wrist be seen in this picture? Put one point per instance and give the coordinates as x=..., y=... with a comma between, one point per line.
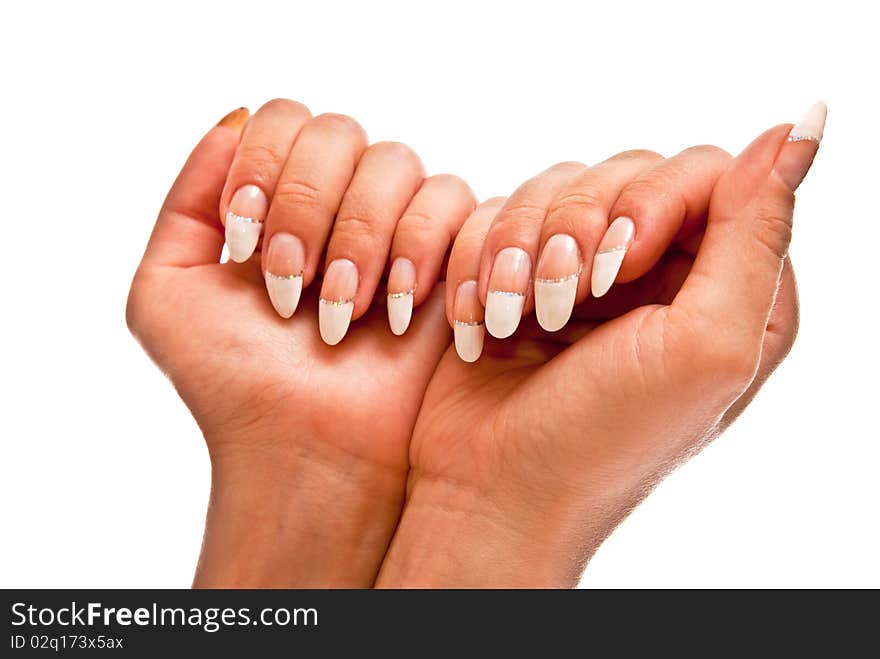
x=456, y=536
x=296, y=517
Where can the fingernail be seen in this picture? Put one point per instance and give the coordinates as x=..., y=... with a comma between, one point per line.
x=609, y=256
x=285, y=260
x=556, y=282
x=796, y=156
x=247, y=210
x=235, y=119
x=401, y=286
x=811, y=126
x=508, y=284
x=337, y=300
x=468, y=321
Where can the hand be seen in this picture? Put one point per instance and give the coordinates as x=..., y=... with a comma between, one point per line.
x=523, y=462
x=308, y=442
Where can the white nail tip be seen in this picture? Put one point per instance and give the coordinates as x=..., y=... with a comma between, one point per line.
x=554, y=301
x=503, y=313
x=242, y=236
x=284, y=292
x=605, y=268
x=811, y=126
x=399, y=312
x=333, y=320
x=469, y=340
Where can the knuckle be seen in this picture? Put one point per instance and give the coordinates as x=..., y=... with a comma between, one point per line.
x=493, y=203
x=341, y=122
x=418, y=222
x=638, y=154
x=640, y=197
x=585, y=200
x=451, y=182
x=647, y=187
x=134, y=306
x=261, y=160
x=707, y=151
x=567, y=166
x=722, y=358
x=132, y=315
x=731, y=363
x=357, y=229
x=396, y=151
x=283, y=106
x=292, y=192
x=518, y=217
x=726, y=356
x=774, y=230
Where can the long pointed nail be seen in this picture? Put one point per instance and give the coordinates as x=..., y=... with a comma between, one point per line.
x=401, y=287
x=796, y=155
x=609, y=256
x=247, y=210
x=508, y=284
x=556, y=282
x=811, y=126
x=285, y=260
x=337, y=300
x=468, y=322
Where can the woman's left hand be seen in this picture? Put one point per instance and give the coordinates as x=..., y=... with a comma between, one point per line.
x=308, y=442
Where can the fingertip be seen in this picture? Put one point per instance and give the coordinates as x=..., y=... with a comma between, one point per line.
x=801, y=146
x=401, y=290
x=236, y=119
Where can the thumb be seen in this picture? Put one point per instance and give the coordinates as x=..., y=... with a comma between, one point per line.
x=735, y=275
x=188, y=231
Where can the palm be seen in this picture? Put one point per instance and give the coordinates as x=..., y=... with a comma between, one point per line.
x=479, y=419
x=237, y=364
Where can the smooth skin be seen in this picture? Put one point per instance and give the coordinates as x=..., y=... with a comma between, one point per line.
x=524, y=462
x=308, y=442
x=515, y=468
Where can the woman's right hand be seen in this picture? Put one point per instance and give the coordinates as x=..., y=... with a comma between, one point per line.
x=523, y=462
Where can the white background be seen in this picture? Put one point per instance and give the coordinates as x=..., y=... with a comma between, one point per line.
x=104, y=476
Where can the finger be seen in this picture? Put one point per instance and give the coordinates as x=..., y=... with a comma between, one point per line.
x=666, y=202
x=254, y=172
x=576, y=221
x=778, y=339
x=511, y=246
x=464, y=310
x=188, y=231
x=729, y=293
x=307, y=196
x=423, y=235
x=386, y=179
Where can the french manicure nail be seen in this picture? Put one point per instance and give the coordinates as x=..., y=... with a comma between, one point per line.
x=811, y=126
x=468, y=321
x=794, y=160
x=609, y=256
x=401, y=287
x=285, y=260
x=556, y=282
x=337, y=300
x=247, y=210
x=508, y=284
